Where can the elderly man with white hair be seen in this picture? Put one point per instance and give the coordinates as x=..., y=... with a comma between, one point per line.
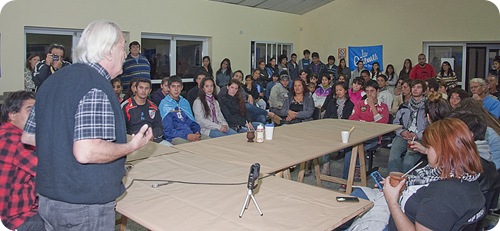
x=80, y=135
x=479, y=90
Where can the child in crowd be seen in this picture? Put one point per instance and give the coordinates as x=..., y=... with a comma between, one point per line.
x=314, y=79
x=341, y=78
x=117, y=87
x=322, y=91
x=356, y=93
x=311, y=87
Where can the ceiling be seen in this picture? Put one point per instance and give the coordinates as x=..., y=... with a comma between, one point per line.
x=289, y=6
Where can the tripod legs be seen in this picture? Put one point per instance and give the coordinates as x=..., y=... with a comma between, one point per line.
x=247, y=202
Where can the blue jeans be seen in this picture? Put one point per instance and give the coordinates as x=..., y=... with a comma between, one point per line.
x=59, y=215
x=256, y=114
x=34, y=223
x=217, y=133
x=400, y=158
x=347, y=159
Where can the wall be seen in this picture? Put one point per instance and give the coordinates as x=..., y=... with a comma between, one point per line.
x=401, y=26
x=221, y=22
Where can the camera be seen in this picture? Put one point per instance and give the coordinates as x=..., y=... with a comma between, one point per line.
x=55, y=57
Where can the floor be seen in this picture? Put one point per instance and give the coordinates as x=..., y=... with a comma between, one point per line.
x=336, y=168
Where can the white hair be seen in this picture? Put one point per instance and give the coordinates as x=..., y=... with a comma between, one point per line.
x=97, y=39
x=478, y=80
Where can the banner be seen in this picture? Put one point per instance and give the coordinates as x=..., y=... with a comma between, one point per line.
x=369, y=55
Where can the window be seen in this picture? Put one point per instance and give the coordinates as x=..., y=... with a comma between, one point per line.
x=266, y=50
x=38, y=41
x=182, y=61
x=454, y=53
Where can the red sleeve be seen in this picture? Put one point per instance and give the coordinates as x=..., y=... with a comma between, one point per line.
x=356, y=111
x=384, y=114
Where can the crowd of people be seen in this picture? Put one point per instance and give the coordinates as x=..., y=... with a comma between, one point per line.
x=432, y=109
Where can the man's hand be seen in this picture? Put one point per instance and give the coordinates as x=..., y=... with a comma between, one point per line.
x=224, y=128
x=476, y=97
x=48, y=59
x=142, y=137
x=57, y=64
x=194, y=137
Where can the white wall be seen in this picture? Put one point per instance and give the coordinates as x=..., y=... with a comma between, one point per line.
x=401, y=26
x=221, y=22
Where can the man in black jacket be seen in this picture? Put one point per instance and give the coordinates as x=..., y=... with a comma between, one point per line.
x=52, y=63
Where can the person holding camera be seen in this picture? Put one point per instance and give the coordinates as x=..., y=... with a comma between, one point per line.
x=52, y=63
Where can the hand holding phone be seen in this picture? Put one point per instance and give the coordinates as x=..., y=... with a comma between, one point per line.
x=378, y=179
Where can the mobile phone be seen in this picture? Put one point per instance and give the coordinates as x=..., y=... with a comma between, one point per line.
x=377, y=178
x=347, y=199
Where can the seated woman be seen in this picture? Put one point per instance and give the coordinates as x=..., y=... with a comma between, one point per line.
x=339, y=107
x=444, y=195
x=455, y=96
x=207, y=111
x=401, y=94
x=234, y=110
x=299, y=106
x=442, y=199
x=356, y=93
x=322, y=91
x=255, y=90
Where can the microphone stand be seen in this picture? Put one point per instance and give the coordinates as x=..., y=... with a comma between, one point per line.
x=254, y=175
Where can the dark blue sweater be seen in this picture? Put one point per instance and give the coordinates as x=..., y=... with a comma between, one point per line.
x=59, y=176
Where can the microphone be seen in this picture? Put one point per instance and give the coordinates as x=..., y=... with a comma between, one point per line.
x=253, y=176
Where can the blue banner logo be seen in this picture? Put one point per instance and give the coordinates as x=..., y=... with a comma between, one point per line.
x=368, y=54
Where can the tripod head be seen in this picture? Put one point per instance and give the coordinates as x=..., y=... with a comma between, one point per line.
x=253, y=176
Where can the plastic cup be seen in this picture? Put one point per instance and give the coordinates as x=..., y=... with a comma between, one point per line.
x=345, y=136
x=269, y=128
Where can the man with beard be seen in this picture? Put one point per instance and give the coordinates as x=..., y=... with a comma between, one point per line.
x=422, y=70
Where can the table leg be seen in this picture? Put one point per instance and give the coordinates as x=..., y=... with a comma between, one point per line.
x=300, y=177
x=362, y=165
x=286, y=174
x=352, y=167
x=123, y=223
x=279, y=174
x=317, y=172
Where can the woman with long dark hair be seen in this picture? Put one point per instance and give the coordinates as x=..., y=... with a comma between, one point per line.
x=207, y=67
x=223, y=75
x=405, y=71
x=375, y=71
x=392, y=78
x=31, y=62
x=233, y=108
x=299, y=105
x=447, y=75
x=207, y=111
x=344, y=69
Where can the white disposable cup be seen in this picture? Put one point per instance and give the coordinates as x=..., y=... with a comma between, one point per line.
x=345, y=136
x=269, y=131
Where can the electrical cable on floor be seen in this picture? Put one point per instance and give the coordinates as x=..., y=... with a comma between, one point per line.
x=165, y=182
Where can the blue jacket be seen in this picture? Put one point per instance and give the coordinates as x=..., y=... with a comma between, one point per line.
x=174, y=125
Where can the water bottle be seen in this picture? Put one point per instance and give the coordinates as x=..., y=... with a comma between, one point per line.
x=260, y=133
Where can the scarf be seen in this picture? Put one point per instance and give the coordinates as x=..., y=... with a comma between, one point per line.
x=428, y=174
x=211, y=101
x=414, y=106
x=340, y=107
